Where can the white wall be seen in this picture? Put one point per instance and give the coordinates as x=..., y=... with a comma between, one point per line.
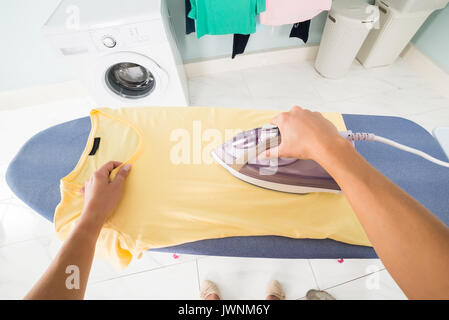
x=25, y=59
x=433, y=39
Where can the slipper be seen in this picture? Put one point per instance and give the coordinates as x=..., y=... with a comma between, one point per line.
x=208, y=288
x=318, y=295
x=275, y=289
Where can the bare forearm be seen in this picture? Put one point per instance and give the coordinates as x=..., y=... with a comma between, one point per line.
x=67, y=276
x=411, y=242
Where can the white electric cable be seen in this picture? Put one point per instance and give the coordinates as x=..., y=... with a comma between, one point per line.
x=361, y=136
x=411, y=150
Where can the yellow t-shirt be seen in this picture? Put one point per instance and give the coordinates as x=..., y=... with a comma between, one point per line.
x=176, y=193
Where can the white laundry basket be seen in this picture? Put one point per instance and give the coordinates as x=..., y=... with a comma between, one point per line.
x=399, y=21
x=347, y=26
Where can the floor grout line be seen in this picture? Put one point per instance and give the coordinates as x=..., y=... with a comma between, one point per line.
x=313, y=273
x=140, y=272
x=358, y=278
x=198, y=276
x=4, y=245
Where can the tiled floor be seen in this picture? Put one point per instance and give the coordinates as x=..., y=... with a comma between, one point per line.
x=27, y=241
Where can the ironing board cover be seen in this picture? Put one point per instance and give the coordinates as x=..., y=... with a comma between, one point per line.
x=66, y=142
x=177, y=194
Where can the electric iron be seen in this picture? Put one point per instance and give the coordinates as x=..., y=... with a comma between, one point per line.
x=240, y=157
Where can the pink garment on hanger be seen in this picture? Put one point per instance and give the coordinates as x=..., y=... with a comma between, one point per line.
x=281, y=12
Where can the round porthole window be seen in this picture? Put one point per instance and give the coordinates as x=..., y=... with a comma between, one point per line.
x=130, y=80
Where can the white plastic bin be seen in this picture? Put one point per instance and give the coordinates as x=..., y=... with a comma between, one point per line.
x=399, y=21
x=347, y=26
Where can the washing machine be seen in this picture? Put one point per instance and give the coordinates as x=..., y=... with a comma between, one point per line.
x=124, y=52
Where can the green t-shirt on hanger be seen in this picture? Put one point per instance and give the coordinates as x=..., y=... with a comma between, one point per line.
x=218, y=17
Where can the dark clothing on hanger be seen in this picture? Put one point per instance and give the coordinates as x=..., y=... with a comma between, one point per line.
x=240, y=42
x=190, y=23
x=301, y=30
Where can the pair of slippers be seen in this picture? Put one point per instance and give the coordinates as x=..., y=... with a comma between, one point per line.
x=274, y=289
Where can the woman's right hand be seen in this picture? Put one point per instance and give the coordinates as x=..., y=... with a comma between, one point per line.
x=305, y=135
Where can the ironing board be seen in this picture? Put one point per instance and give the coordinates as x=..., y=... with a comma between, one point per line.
x=35, y=172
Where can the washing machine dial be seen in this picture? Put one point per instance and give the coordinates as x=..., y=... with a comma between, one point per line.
x=109, y=42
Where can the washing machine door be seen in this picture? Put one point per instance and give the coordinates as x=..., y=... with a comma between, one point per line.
x=129, y=76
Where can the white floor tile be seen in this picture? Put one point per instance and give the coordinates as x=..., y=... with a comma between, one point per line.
x=273, y=85
x=404, y=102
x=245, y=278
x=175, y=282
x=21, y=265
x=399, y=75
x=355, y=84
x=5, y=193
x=432, y=119
x=377, y=286
x=21, y=124
x=102, y=270
x=331, y=272
x=275, y=103
x=19, y=223
x=220, y=90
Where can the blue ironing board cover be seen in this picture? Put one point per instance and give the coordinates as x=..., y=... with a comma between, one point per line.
x=35, y=172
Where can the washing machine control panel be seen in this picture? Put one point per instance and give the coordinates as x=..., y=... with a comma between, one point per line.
x=148, y=32
x=109, y=42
